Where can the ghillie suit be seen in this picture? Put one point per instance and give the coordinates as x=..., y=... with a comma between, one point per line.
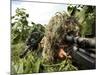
x=55, y=46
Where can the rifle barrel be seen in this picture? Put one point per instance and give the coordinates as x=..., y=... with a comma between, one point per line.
x=25, y=52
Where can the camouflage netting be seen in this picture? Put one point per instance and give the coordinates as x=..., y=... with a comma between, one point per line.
x=58, y=26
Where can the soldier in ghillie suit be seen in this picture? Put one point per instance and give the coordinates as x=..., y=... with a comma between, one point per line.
x=55, y=45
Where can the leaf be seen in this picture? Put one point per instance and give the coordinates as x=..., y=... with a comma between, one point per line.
x=20, y=69
x=36, y=66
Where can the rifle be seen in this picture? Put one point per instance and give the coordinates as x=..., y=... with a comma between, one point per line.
x=83, y=51
x=32, y=45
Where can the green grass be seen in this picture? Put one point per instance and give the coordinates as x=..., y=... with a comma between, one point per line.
x=32, y=62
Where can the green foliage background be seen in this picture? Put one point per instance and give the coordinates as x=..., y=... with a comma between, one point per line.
x=33, y=63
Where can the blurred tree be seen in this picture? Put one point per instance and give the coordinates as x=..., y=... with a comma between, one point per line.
x=86, y=16
x=20, y=27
